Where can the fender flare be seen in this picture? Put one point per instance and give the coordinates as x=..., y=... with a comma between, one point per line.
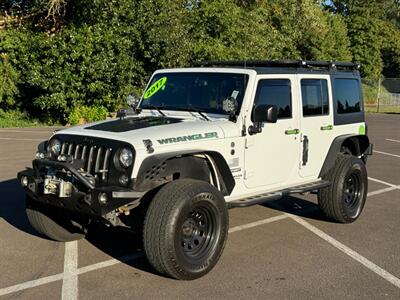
x=159, y=164
x=360, y=143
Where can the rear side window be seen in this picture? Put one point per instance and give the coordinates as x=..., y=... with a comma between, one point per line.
x=314, y=94
x=276, y=92
x=347, y=95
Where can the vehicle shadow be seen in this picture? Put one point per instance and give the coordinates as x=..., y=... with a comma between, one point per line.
x=12, y=206
x=116, y=242
x=120, y=244
x=299, y=207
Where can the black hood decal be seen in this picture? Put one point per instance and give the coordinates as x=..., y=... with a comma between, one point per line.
x=128, y=124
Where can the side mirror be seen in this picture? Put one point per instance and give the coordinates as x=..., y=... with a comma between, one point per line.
x=265, y=113
x=133, y=100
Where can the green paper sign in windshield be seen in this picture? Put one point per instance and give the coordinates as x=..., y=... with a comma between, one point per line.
x=155, y=87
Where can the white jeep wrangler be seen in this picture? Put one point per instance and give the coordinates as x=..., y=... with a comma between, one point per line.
x=200, y=141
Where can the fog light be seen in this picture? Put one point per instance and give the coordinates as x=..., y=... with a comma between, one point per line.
x=39, y=155
x=123, y=180
x=62, y=158
x=103, y=198
x=24, y=181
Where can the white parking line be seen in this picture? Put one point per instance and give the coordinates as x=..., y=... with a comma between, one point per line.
x=109, y=263
x=30, y=284
x=353, y=254
x=385, y=153
x=70, y=279
x=16, y=139
x=70, y=265
x=26, y=131
x=381, y=191
x=390, y=140
x=71, y=271
x=257, y=223
x=384, y=182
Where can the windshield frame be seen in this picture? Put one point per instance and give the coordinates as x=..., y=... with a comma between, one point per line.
x=223, y=71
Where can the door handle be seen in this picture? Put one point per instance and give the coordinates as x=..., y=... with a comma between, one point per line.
x=327, y=127
x=292, y=131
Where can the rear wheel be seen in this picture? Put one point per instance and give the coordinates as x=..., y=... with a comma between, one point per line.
x=185, y=229
x=344, y=200
x=55, y=224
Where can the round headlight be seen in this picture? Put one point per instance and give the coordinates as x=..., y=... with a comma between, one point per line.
x=55, y=147
x=126, y=157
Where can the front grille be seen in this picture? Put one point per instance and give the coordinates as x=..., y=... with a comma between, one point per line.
x=96, y=156
x=95, y=159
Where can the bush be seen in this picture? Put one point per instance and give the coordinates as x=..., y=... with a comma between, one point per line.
x=83, y=114
x=15, y=118
x=8, y=82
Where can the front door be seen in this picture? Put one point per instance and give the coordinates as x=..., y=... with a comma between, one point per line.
x=272, y=156
x=316, y=123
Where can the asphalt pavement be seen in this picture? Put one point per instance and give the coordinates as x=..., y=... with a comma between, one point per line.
x=286, y=249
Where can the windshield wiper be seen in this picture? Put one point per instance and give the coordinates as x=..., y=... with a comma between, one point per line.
x=158, y=108
x=191, y=108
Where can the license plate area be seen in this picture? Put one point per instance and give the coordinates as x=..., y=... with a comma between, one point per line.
x=58, y=187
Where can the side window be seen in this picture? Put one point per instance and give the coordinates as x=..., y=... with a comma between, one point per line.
x=314, y=94
x=275, y=92
x=347, y=95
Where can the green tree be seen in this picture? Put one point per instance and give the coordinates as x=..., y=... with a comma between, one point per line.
x=374, y=34
x=8, y=82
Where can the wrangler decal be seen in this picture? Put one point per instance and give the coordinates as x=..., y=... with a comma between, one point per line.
x=185, y=138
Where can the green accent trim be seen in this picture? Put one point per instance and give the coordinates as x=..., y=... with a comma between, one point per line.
x=155, y=87
x=292, y=131
x=327, y=127
x=361, y=130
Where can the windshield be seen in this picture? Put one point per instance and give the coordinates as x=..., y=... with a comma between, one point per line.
x=203, y=92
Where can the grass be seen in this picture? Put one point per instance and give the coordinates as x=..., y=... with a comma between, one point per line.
x=383, y=109
x=16, y=118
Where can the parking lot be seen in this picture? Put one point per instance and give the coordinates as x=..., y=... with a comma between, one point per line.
x=285, y=249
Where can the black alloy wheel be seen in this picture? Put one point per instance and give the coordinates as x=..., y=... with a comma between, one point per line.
x=344, y=200
x=185, y=229
x=199, y=230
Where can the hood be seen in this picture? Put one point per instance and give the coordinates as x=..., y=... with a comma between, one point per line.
x=128, y=124
x=159, y=129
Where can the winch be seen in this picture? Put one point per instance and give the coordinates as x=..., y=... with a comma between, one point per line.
x=56, y=186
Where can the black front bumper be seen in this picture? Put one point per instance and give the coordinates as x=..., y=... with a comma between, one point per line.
x=84, y=200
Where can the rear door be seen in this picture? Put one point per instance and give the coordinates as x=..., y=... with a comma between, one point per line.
x=316, y=122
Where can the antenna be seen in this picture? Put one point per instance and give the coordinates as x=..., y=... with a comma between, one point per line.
x=245, y=46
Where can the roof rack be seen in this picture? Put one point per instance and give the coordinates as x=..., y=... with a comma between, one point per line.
x=281, y=64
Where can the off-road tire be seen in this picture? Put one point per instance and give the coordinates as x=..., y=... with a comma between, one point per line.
x=52, y=224
x=181, y=212
x=344, y=200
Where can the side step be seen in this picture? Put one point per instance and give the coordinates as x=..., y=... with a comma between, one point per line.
x=262, y=198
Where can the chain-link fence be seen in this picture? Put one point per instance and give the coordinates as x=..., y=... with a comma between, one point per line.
x=382, y=95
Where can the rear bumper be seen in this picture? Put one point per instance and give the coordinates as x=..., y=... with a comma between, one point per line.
x=84, y=200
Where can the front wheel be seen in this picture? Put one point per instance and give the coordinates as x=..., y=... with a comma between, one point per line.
x=185, y=229
x=344, y=199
